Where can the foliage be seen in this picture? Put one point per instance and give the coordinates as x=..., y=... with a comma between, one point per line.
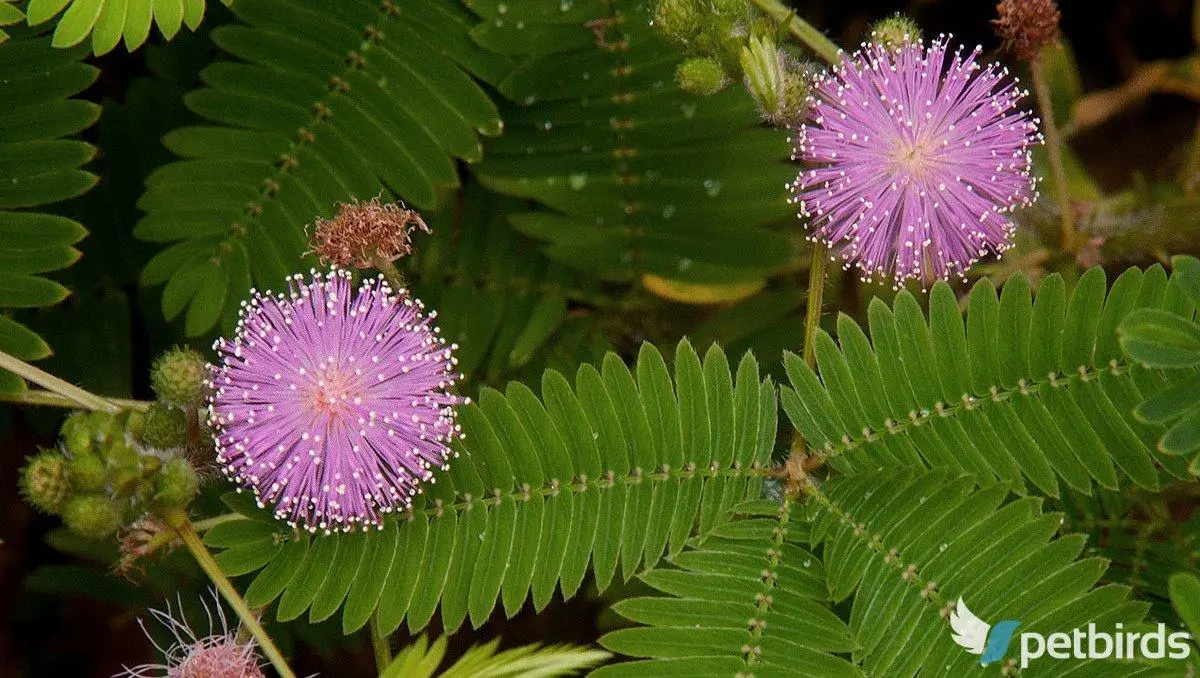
x=110, y=21
x=1036, y=391
x=421, y=660
x=541, y=487
x=38, y=166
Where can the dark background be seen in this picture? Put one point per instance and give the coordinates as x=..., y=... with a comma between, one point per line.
x=48, y=635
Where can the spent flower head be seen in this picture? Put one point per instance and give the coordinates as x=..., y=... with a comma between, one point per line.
x=1026, y=26
x=216, y=652
x=914, y=158
x=331, y=404
x=363, y=230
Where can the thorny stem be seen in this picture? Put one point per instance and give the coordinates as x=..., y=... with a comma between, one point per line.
x=178, y=521
x=380, y=646
x=52, y=399
x=801, y=30
x=389, y=271
x=1054, y=146
x=46, y=380
x=816, y=294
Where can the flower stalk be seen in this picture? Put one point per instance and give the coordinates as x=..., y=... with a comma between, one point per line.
x=380, y=646
x=52, y=383
x=816, y=294
x=801, y=30
x=1054, y=148
x=52, y=399
x=178, y=520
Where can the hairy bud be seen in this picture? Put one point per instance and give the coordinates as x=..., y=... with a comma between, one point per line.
x=45, y=482
x=362, y=231
x=91, y=515
x=87, y=472
x=166, y=427
x=176, y=483
x=701, y=75
x=1026, y=26
x=679, y=20
x=178, y=377
x=896, y=31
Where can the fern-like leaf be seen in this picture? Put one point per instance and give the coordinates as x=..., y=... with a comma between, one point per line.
x=322, y=103
x=110, y=21
x=38, y=167
x=422, y=658
x=1033, y=391
x=639, y=177
x=541, y=487
x=904, y=545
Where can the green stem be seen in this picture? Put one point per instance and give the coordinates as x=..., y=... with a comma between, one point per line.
x=801, y=30
x=389, y=271
x=816, y=295
x=52, y=399
x=44, y=379
x=380, y=646
x=1054, y=147
x=178, y=520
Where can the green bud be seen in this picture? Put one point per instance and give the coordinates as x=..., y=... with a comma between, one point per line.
x=45, y=482
x=88, y=472
x=701, y=75
x=176, y=483
x=104, y=428
x=166, y=427
x=679, y=20
x=764, y=75
x=91, y=515
x=895, y=31
x=178, y=377
x=77, y=439
x=135, y=423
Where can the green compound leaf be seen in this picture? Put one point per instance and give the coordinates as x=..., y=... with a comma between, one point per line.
x=540, y=494
x=1032, y=393
x=37, y=168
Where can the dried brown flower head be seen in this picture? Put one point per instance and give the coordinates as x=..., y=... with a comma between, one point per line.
x=360, y=230
x=1026, y=26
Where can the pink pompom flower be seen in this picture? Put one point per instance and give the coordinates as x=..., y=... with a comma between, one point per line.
x=914, y=156
x=333, y=405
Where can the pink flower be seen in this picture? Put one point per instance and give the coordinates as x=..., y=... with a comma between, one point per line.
x=334, y=406
x=915, y=157
x=217, y=655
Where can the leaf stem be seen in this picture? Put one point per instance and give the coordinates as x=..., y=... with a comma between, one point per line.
x=816, y=294
x=1054, y=147
x=389, y=271
x=178, y=521
x=801, y=30
x=380, y=646
x=46, y=380
x=52, y=399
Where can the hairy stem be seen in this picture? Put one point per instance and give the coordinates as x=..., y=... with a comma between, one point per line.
x=46, y=380
x=389, y=271
x=52, y=399
x=380, y=645
x=816, y=294
x=801, y=30
x=1054, y=147
x=178, y=521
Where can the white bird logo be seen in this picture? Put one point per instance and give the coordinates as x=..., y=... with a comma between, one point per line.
x=969, y=631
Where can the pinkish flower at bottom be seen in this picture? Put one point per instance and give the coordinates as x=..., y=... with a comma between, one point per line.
x=218, y=654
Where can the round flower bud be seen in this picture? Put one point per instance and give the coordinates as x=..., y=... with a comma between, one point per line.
x=176, y=483
x=76, y=434
x=679, y=20
x=135, y=423
x=701, y=75
x=87, y=472
x=896, y=31
x=102, y=425
x=45, y=482
x=165, y=427
x=91, y=515
x=1027, y=26
x=178, y=377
